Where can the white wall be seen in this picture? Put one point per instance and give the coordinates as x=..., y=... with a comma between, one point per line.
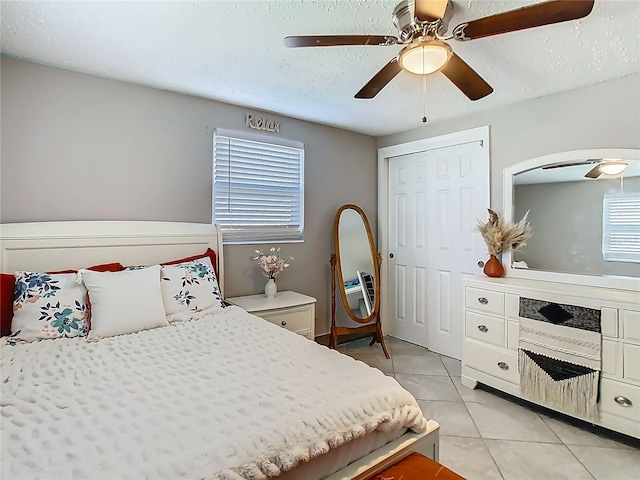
x=606, y=115
x=79, y=147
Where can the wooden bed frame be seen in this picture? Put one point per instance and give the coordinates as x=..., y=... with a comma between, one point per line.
x=50, y=246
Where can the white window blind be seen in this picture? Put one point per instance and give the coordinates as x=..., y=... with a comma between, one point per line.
x=621, y=227
x=258, y=187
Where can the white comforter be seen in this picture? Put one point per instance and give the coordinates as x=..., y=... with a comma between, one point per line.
x=225, y=397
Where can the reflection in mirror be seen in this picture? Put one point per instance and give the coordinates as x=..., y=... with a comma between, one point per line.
x=584, y=221
x=358, y=270
x=356, y=261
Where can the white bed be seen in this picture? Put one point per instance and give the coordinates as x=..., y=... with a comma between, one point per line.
x=227, y=396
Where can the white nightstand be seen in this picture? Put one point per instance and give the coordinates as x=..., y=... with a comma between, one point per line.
x=291, y=310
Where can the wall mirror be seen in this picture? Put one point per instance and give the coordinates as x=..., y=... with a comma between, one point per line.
x=584, y=217
x=357, y=264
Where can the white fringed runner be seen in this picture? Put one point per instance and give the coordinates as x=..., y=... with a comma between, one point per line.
x=227, y=397
x=560, y=366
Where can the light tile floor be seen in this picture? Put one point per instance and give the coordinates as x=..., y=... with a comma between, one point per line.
x=488, y=435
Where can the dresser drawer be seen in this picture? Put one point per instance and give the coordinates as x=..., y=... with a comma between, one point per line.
x=484, y=300
x=484, y=328
x=513, y=335
x=611, y=359
x=620, y=399
x=631, y=324
x=609, y=321
x=631, y=362
x=495, y=361
x=297, y=320
x=512, y=305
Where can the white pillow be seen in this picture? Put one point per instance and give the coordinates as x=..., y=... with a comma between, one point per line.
x=124, y=302
x=190, y=290
x=48, y=306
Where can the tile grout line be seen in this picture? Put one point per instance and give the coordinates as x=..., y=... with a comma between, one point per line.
x=484, y=442
x=481, y=438
x=579, y=461
x=524, y=441
x=493, y=459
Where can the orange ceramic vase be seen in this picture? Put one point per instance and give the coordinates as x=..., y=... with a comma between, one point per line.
x=493, y=267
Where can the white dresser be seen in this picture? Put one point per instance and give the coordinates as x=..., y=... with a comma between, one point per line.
x=491, y=335
x=291, y=310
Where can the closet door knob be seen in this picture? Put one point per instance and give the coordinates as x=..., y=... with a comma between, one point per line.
x=503, y=366
x=483, y=328
x=624, y=401
x=283, y=323
x=483, y=300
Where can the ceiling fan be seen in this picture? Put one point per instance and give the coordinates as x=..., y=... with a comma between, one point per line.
x=604, y=166
x=422, y=30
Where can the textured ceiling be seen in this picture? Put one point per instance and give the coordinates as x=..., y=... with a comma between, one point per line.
x=232, y=51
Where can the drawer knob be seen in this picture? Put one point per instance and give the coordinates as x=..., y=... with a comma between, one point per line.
x=503, y=366
x=483, y=300
x=283, y=323
x=483, y=328
x=624, y=401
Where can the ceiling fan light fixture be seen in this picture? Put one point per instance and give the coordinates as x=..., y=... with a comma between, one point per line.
x=613, y=167
x=425, y=57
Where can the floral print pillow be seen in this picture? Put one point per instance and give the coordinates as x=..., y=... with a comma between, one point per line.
x=190, y=290
x=48, y=306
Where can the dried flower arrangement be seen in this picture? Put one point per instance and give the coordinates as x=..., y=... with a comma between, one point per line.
x=272, y=263
x=500, y=236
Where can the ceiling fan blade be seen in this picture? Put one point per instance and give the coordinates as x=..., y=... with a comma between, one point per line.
x=430, y=10
x=338, y=40
x=594, y=172
x=547, y=13
x=380, y=79
x=465, y=78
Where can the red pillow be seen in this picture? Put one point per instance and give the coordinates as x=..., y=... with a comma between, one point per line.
x=209, y=253
x=107, y=267
x=8, y=285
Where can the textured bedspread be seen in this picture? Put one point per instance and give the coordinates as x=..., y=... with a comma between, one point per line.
x=225, y=397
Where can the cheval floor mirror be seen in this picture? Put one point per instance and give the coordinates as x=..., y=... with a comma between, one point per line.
x=358, y=272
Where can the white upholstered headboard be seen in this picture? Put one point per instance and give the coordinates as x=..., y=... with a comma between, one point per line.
x=47, y=246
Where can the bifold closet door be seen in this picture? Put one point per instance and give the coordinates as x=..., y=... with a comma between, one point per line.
x=435, y=200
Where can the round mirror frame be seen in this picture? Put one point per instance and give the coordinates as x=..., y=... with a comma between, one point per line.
x=375, y=261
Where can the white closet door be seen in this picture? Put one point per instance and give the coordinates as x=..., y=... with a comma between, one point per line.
x=435, y=200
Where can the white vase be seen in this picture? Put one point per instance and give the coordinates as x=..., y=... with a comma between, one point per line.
x=270, y=288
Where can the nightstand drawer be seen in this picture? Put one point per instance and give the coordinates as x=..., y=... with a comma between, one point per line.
x=291, y=310
x=296, y=320
x=485, y=300
x=484, y=328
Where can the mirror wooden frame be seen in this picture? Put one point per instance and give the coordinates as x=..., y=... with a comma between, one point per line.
x=375, y=329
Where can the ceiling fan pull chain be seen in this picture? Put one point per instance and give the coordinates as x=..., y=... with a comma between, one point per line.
x=424, y=98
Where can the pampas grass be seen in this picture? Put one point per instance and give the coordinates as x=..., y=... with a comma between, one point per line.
x=500, y=236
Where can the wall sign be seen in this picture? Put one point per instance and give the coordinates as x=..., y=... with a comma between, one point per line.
x=261, y=123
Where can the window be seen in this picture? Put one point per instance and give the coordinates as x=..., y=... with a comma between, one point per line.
x=258, y=192
x=621, y=227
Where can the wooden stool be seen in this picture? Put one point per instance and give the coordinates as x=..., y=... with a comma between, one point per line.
x=417, y=467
